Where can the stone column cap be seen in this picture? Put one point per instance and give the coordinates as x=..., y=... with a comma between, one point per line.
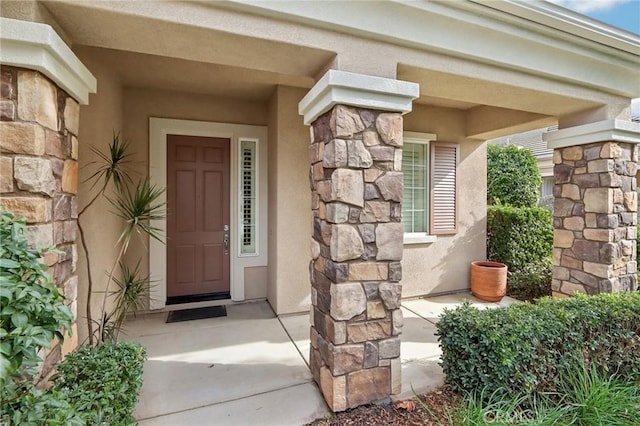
x=359, y=90
x=601, y=131
x=38, y=47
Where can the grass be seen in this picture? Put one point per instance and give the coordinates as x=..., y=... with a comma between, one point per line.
x=587, y=398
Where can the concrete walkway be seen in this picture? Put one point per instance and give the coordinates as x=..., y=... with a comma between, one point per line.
x=251, y=367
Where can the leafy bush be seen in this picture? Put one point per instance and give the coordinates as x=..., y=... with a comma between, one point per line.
x=93, y=385
x=38, y=407
x=530, y=282
x=102, y=383
x=522, y=238
x=32, y=315
x=525, y=347
x=513, y=176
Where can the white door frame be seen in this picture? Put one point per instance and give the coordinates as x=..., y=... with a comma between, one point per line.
x=159, y=128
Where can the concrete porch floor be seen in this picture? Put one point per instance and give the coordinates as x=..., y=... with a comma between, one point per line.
x=251, y=367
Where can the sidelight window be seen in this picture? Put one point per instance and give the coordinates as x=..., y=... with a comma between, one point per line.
x=248, y=196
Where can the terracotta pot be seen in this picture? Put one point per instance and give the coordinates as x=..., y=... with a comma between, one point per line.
x=488, y=280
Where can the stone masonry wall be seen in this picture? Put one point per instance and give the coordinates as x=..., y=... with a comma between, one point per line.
x=357, y=245
x=39, y=175
x=595, y=218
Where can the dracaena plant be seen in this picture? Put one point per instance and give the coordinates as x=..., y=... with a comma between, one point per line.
x=136, y=204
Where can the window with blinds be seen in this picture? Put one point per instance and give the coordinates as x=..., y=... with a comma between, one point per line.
x=547, y=186
x=430, y=199
x=414, y=201
x=248, y=196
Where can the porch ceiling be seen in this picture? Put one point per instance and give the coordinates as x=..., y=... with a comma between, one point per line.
x=465, y=92
x=160, y=72
x=103, y=25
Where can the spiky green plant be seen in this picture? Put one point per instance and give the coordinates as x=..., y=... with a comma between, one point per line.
x=137, y=205
x=594, y=397
x=136, y=208
x=132, y=291
x=111, y=169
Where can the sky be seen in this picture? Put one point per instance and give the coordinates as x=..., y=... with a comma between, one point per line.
x=623, y=14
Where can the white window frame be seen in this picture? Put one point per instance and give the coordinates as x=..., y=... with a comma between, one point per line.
x=256, y=196
x=542, y=186
x=422, y=139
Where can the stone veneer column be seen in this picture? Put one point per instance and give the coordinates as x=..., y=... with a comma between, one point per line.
x=39, y=120
x=357, y=186
x=38, y=159
x=595, y=209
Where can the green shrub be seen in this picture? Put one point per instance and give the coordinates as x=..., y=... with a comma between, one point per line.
x=522, y=238
x=525, y=347
x=102, y=383
x=43, y=407
x=513, y=176
x=32, y=315
x=530, y=282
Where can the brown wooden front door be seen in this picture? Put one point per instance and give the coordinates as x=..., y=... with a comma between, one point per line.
x=197, y=216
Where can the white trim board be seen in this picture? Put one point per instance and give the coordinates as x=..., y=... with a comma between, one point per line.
x=38, y=47
x=359, y=90
x=159, y=128
x=601, y=131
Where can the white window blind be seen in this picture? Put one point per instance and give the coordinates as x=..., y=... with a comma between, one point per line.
x=415, y=197
x=444, y=188
x=248, y=197
x=547, y=186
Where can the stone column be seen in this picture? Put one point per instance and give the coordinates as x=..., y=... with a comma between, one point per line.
x=39, y=153
x=595, y=209
x=357, y=185
x=39, y=120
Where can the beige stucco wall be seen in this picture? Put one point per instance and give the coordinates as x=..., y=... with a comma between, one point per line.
x=255, y=282
x=98, y=121
x=289, y=287
x=443, y=266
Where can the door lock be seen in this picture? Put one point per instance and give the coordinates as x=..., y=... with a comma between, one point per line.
x=225, y=240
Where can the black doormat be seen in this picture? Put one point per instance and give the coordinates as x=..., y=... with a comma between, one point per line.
x=196, y=314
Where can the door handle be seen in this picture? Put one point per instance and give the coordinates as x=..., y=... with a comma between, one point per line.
x=226, y=244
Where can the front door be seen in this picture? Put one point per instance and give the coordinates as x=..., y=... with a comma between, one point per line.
x=197, y=218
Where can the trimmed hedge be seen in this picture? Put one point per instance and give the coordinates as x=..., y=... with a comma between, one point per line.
x=519, y=237
x=522, y=238
x=528, y=347
x=513, y=176
x=102, y=383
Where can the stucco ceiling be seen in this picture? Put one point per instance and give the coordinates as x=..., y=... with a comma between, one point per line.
x=159, y=72
x=99, y=25
x=465, y=92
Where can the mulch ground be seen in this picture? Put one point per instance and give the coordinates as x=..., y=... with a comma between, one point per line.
x=401, y=413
